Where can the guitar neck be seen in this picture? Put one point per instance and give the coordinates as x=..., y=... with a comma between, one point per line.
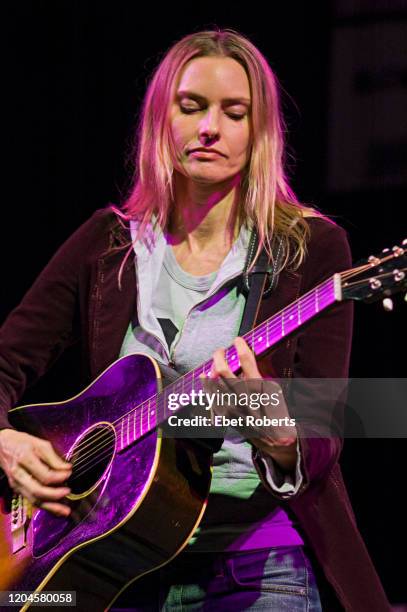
x=154, y=411
x=286, y=321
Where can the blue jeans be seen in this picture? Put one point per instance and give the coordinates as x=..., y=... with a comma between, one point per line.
x=277, y=579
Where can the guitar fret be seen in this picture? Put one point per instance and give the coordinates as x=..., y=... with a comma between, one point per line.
x=289, y=322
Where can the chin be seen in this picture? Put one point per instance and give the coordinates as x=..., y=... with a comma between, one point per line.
x=209, y=178
x=207, y=175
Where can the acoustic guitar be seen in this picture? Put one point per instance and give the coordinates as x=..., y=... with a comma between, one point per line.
x=137, y=496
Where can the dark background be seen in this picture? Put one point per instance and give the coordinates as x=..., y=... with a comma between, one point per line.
x=74, y=75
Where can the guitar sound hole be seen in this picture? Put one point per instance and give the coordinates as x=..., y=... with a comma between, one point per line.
x=90, y=458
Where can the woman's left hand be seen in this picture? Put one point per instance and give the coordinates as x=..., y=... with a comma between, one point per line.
x=279, y=440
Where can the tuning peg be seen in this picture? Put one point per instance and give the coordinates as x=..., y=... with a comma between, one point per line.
x=398, y=275
x=374, y=261
x=398, y=251
x=375, y=283
x=388, y=304
x=404, y=243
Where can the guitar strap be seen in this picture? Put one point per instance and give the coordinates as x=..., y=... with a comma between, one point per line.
x=262, y=273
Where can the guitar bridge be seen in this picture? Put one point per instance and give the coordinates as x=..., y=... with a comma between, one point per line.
x=19, y=518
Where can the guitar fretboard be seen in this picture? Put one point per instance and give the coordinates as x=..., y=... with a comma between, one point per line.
x=154, y=411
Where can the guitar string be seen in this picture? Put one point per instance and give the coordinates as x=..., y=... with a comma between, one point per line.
x=377, y=276
x=300, y=302
x=365, y=267
x=179, y=382
x=139, y=409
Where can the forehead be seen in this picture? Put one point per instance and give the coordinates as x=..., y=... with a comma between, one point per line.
x=220, y=77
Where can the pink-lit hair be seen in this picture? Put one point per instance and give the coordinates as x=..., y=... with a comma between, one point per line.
x=267, y=200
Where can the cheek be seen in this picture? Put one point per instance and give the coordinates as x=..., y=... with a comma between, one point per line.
x=180, y=132
x=241, y=142
x=176, y=137
x=181, y=138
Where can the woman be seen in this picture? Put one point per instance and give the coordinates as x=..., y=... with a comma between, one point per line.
x=209, y=170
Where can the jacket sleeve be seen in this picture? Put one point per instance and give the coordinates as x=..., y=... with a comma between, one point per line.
x=322, y=352
x=37, y=331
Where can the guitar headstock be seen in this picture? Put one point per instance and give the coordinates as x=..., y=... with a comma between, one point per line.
x=380, y=277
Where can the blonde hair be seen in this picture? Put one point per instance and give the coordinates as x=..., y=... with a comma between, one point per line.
x=267, y=200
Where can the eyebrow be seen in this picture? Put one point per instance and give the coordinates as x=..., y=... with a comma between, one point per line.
x=194, y=96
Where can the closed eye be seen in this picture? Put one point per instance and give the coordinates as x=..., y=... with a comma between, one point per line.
x=236, y=117
x=189, y=111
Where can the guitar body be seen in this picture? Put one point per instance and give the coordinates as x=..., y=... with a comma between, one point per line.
x=133, y=507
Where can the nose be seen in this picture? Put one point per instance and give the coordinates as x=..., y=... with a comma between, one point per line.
x=209, y=127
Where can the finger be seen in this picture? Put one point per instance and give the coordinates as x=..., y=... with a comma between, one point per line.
x=55, y=508
x=34, y=491
x=206, y=382
x=210, y=382
x=38, y=494
x=247, y=359
x=220, y=365
x=47, y=453
x=42, y=472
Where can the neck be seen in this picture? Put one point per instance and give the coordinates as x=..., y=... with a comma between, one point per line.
x=205, y=215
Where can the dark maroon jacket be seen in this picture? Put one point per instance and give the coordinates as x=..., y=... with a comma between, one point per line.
x=77, y=299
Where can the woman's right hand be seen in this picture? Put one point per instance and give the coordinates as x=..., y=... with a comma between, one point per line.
x=34, y=469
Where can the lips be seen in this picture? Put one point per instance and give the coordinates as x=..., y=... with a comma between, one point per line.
x=200, y=150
